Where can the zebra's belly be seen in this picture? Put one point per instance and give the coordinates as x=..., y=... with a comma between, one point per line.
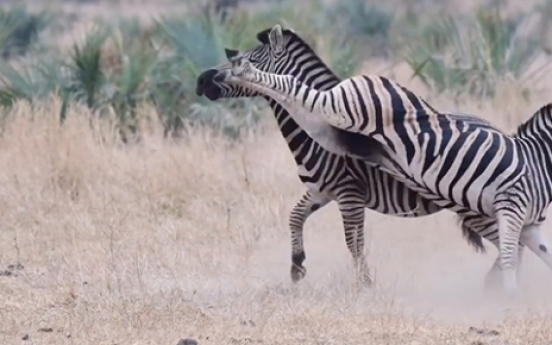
x=318, y=183
x=311, y=183
x=466, y=171
x=383, y=193
x=387, y=195
x=454, y=192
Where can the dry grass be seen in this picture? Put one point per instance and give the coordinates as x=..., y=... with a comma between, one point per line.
x=156, y=242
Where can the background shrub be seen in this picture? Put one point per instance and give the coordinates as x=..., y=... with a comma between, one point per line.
x=120, y=64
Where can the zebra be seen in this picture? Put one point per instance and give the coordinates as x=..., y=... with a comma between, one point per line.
x=470, y=170
x=350, y=182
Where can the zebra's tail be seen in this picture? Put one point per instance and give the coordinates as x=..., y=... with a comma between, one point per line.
x=473, y=238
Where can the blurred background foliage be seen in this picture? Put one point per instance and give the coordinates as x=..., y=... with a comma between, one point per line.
x=119, y=65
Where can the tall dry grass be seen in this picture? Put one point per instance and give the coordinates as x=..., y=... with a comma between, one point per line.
x=103, y=243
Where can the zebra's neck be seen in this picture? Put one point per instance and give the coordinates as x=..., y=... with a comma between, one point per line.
x=320, y=112
x=307, y=67
x=534, y=138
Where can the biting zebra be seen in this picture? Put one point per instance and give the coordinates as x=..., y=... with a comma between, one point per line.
x=350, y=182
x=471, y=170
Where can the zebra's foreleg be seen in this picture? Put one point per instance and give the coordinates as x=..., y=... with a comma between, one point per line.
x=351, y=207
x=309, y=203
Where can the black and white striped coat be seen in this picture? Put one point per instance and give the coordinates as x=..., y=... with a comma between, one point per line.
x=328, y=176
x=470, y=169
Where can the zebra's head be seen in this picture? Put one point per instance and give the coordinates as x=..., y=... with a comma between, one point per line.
x=268, y=56
x=241, y=70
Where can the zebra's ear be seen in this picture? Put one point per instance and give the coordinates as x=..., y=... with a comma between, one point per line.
x=276, y=38
x=230, y=53
x=262, y=36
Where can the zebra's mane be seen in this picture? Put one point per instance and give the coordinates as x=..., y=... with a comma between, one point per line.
x=299, y=42
x=539, y=123
x=354, y=143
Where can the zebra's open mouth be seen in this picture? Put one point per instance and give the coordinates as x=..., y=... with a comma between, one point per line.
x=206, y=86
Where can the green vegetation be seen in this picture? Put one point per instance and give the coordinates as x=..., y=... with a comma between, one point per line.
x=19, y=28
x=474, y=54
x=120, y=66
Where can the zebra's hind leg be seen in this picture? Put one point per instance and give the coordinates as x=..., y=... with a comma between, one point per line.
x=309, y=203
x=351, y=207
x=476, y=226
x=493, y=279
x=510, y=224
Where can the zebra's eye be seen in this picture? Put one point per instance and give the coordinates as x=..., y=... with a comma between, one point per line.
x=253, y=60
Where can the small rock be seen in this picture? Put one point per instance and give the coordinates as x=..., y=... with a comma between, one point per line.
x=248, y=323
x=484, y=331
x=25, y=337
x=6, y=273
x=18, y=266
x=9, y=272
x=187, y=341
x=45, y=330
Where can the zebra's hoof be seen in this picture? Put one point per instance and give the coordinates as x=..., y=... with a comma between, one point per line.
x=297, y=272
x=365, y=279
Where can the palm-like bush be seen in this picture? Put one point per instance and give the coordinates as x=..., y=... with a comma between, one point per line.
x=193, y=44
x=87, y=73
x=31, y=78
x=364, y=23
x=460, y=54
x=362, y=18
x=133, y=56
x=123, y=65
x=19, y=29
x=118, y=67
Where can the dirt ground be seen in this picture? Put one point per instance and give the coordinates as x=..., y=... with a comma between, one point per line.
x=102, y=244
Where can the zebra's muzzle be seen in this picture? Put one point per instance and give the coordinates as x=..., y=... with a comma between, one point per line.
x=205, y=85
